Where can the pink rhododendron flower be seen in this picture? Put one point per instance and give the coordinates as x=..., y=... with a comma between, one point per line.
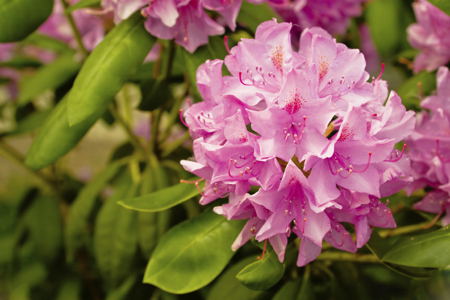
x=430, y=35
x=429, y=146
x=321, y=144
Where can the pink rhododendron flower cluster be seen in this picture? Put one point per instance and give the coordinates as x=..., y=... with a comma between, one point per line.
x=309, y=130
x=332, y=15
x=90, y=26
x=431, y=35
x=429, y=150
x=182, y=20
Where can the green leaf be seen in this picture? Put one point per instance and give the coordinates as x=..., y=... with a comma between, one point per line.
x=409, y=90
x=162, y=199
x=254, y=14
x=384, y=24
x=443, y=5
x=83, y=4
x=69, y=290
x=228, y=287
x=112, y=63
x=431, y=250
x=81, y=208
x=31, y=122
x=44, y=223
x=262, y=274
x=289, y=290
x=49, y=43
x=21, y=62
x=380, y=246
x=122, y=291
x=19, y=18
x=49, y=77
x=214, y=49
x=115, y=237
x=31, y=275
x=155, y=92
x=193, y=253
x=56, y=137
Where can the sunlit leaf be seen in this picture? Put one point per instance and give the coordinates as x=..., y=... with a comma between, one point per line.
x=193, y=253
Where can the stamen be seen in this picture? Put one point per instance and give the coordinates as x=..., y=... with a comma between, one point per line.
x=395, y=156
x=381, y=73
x=435, y=219
x=379, y=224
x=226, y=44
x=181, y=118
x=240, y=78
x=264, y=250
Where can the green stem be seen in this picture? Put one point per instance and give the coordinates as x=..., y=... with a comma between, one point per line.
x=344, y=256
x=14, y=156
x=75, y=31
x=402, y=230
x=137, y=145
x=156, y=117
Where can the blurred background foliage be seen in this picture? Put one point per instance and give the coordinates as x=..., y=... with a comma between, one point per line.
x=63, y=235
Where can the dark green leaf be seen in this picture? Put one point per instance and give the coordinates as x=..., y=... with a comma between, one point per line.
x=386, y=34
x=289, y=290
x=213, y=50
x=31, y=275
x=193, y=253
x=380, y=246
x=44, y=223
x=115, y=237
x=431, y=250
x=19, y=18
x=4, y=80
x=122, y=291
x=31, y=122
x=154, y=93
x=82, y=206
x=254, y=14
x=443, y=5
x=56, y=137
x=409, y=90
x=21, y=62
x=228, y=287
x=262, y=274
x=48, y=77
x=162, y=199
x=83, y=4
x=70, y=290
x=112, y=63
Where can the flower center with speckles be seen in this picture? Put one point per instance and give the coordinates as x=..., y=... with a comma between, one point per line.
x=324, y=67
x=277, y=56
x=347, y=133
x=293, y=103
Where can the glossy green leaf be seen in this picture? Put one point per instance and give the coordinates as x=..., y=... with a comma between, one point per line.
x=44, y=223
x=228, y=287
x=19, y=18
x=49, y=77
x=215, y=49
x=112, y=63
x=443, y=5
x=262, y=274
x=254, y=14
x=409, y=90
x=81, y=209
x=430, y=250
x=193, y=253
x=56, y=137
x=162, y=199
x=380, y=247
x=83, y=4
x=115, y=237
x=386, y=34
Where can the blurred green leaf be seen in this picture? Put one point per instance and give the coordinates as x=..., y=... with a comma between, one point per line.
x=21, y=62
x=4, y=80
x=81, y=208
x=31, y=122
x=154, y=93
x=380, y=246
x=289, y=290
x=56, y=137
x=83, y=4
x=382, y=17
x=122, y=291
x=112, y=63
x=409, y=90
x=69, y=290
x=115, y=237
x=163, y=199
x=228, y=287
x=443, y=5
x=19, y=18
x=430, y=250
x=262, y=274
x=44, y=223
x=49, y=77
x=215, y=49
x=193, y=253
x=31, y=275
x=49, y=43
x=254, y=14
